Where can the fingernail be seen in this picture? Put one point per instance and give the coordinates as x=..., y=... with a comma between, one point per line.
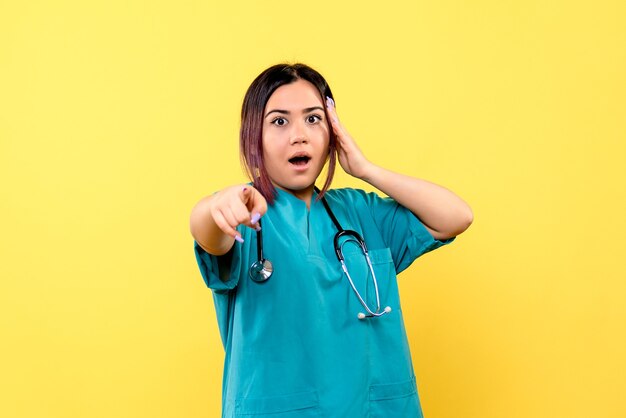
x=245, y=188
x=239, y=239
x=257, y=227
x=330, y=102
x=255, y=217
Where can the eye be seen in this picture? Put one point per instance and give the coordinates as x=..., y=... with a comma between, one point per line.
x=313, y=119
x=279, y=121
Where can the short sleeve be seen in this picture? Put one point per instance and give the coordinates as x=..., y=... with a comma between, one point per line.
x=220, y=273
x=404, y=233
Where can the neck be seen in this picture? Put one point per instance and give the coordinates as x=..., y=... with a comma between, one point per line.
x=303, y=194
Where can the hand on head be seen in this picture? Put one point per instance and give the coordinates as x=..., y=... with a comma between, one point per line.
x=350, y=155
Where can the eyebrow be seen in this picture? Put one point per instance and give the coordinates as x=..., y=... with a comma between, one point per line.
x=286, y=112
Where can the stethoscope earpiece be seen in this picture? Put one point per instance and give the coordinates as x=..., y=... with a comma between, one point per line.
x=361, y=315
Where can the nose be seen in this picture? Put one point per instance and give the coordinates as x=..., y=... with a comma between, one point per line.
x=298, y=135
x=298, y=139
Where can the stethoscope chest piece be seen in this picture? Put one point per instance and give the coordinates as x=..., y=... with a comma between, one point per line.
x=261, y=270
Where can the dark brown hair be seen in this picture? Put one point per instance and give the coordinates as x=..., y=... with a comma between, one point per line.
x=251, y=131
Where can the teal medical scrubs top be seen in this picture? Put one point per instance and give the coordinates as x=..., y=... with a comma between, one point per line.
x=294, y=345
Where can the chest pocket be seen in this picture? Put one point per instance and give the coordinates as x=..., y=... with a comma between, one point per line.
x=297, y=405
x=384, y=269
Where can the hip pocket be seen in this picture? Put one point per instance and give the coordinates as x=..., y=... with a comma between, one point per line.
x=303, y=404
x=395, y=400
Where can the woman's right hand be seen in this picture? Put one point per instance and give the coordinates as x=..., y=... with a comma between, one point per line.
x=237, y=205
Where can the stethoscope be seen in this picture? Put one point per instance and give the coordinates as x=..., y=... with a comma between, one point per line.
x=261, y=270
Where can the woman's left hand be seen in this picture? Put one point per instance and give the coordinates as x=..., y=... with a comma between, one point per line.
x=350, y=156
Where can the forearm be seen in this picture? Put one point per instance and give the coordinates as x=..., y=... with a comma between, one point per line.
x=206, y=232
x=437, y=207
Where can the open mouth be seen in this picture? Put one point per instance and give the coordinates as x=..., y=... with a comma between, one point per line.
x=300, y=160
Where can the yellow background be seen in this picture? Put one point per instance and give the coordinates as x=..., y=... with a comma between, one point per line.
x=117, y=116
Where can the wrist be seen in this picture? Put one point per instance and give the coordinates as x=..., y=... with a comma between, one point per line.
x=369, y=172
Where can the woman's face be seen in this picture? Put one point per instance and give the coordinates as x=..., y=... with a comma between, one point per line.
x=295, y=136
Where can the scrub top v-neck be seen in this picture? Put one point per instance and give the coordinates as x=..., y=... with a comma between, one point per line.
x=294, y=346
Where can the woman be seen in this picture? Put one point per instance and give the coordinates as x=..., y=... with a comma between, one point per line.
x=313, y=339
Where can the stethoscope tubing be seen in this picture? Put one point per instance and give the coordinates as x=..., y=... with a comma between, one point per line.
x=261, y=270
